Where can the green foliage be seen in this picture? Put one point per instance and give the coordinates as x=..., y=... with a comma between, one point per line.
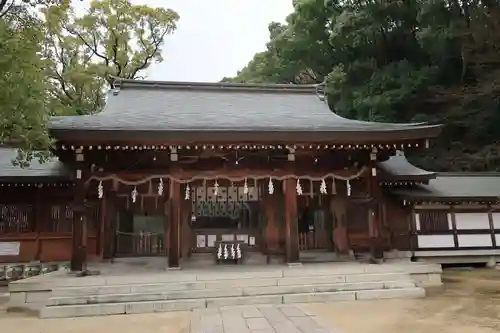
x=23, y=102
x=398, y=61
x=64, y=63
x=114, y=38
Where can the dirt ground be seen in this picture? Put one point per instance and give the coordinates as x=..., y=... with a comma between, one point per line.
x=469, y=303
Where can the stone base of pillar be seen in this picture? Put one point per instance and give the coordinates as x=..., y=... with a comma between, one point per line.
x=84, y=273
x=294, y=264
x=173, y=268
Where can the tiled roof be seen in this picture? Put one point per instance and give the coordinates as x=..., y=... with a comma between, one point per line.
x=184, y=106
x=50, y=169
x=397, y=167
x=456, y=186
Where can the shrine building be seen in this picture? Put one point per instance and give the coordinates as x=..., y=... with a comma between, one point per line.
x=179, y=169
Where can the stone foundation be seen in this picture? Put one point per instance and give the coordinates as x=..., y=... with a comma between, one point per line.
x=119, y=291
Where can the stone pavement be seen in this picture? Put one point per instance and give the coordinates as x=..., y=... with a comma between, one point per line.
x=256, y=319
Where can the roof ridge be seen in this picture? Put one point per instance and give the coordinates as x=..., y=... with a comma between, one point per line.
x=120, y=83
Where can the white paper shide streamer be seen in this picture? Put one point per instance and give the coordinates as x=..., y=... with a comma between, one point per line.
x=216, y=188
x=322, y=188
x=238, y=251
x=226, y=253
x=134, y=195
x=270, y=186
x=348, y=188
x=100, y=190
x=160, y=187
x=187, y=193
x=245, y=187
x=219, y=252
x=233, y=252
x=298, y=187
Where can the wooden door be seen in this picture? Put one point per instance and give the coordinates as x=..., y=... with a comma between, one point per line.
x=357, y=225
x=397, y=221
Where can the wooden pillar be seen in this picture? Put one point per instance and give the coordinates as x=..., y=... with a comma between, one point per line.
x=185, y=231
x=374, y=222
x=338, y=208
x=175, y=207
x=269, y=205
x=291, y=221
x=109, y=223
x=79, y=236
x=101, y=235
x=38, y=219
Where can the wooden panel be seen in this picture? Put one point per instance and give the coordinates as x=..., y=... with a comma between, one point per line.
x=45, y=247
x=28, y=247
x=397, y=221
x=55, y=247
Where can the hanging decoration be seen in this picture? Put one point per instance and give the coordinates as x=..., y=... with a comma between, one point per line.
x=219, y=251
x=238, y=251
x=187, y=193
x=134, y=195
x=100, y=190
x=160, y=187
x=245, y=187
x=348, y=188
x=226, y=253
x=216, y=188
x=298, y=187
x=246, y=190
x=322, y=188
x=115, y=177
x=233, y=252
x=270, y=186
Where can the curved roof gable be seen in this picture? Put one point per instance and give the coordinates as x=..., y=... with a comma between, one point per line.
x=398, y=168
x=225, y=107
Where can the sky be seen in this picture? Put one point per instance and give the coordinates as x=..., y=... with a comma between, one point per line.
x=215, y=38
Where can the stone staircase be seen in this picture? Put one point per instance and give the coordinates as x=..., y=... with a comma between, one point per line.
x=119, y=295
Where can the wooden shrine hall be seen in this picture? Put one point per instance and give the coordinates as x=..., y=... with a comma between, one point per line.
x=174, y=169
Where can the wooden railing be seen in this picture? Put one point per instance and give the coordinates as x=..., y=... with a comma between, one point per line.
x=139, y=244
x=313, y=240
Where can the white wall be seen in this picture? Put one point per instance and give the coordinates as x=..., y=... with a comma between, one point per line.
x=463, y=221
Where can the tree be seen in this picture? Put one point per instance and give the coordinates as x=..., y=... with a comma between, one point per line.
x=64, y=63
x=23, y=102
x=114, y=38
x=399, y=61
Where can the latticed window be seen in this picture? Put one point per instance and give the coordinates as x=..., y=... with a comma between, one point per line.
x=16, y=218
x=61, y=219
x=433, y=221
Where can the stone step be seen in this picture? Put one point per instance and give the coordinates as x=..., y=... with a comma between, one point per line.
x=137, y=287
x=191, y=304
x=159, y=295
